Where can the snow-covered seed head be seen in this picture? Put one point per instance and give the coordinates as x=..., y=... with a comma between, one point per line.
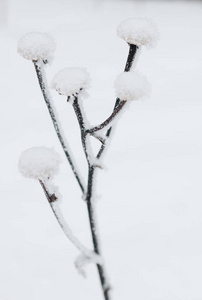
x=70, y=81
x=131, y=86
x=35, y=46
x=139, y=32
x=39, y=163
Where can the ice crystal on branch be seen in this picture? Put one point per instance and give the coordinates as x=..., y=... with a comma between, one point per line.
x=39, y=163
x=70, y=81
x=131, y=86
x=36, y=45
x=138, y=31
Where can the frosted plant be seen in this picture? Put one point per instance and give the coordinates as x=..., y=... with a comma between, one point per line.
x=138, y=31
x=39, y=48
x=131, y=86
x=35, y=46
x=42, y=164
x=71, y=83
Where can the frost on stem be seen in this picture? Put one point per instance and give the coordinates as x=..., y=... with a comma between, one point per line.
x=36, y=46
x=82, y=260
x=70, y=81
x=131, y=86
x=139, y=32
x=39, y=163
x=43, y=163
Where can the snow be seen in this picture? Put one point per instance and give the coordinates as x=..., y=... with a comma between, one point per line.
x=70, y=81
x=83, y=260
x=36, y=46
x=150, y=210
x=39, y=163
x=131, y=86
x=139, y=32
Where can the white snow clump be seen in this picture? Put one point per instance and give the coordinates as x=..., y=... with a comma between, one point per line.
x=138, y=31
x=70, y=81
x=36, y=45
x=131, y=86
x=39, y=163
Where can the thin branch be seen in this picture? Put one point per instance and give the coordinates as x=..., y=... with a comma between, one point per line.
x=80, y=119
x=42, y=82
x=131, y=56
x=98, y=137
x=91, y=214
x=108, y=120
x=58, y=215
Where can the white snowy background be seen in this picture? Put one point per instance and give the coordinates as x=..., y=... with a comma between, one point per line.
x=149, y=197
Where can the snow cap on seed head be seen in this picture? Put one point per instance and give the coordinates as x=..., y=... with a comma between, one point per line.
x=139, y=32
x=36, y=46
x=131, y=86
x=70, y=81
x=39, y=163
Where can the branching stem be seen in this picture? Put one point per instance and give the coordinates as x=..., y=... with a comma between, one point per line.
x=109, y=119
x=58, y=215
x=131, y=56
x=91, y=212
x=44, y=89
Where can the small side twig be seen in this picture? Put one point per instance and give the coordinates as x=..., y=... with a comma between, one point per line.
x=109, y=119
x=42, y=82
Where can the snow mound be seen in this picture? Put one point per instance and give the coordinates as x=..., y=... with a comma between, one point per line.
x=36, y=45
x=131, y=86
x=70, y=81
x=138, y=31
x=39, y=163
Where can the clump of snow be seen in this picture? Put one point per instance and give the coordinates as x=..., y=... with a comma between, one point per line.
x=86, y=258
x=131, y=86
x=36, y=46
x=138, y=31
x=70, y=81
x=39, y=163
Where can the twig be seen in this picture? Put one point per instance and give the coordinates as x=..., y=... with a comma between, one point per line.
x=80, y=119
x=91, y=212
x=108, y=120
x=67, y=231
x=42, y=82
x=131, y=56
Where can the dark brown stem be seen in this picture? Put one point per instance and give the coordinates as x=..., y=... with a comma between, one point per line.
x=82, y=126
x=91, y=214
x=131, y=56
x=43, y=87
x=108, y=120
x=60, y=219
x=90, y=208
x=50, y=198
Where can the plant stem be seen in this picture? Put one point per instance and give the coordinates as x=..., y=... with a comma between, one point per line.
x=108, y=120
x=67, y=231
x=90, y=208
x=80, y=119
x=91, y=214
x=131, y=56
x=40, y=75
